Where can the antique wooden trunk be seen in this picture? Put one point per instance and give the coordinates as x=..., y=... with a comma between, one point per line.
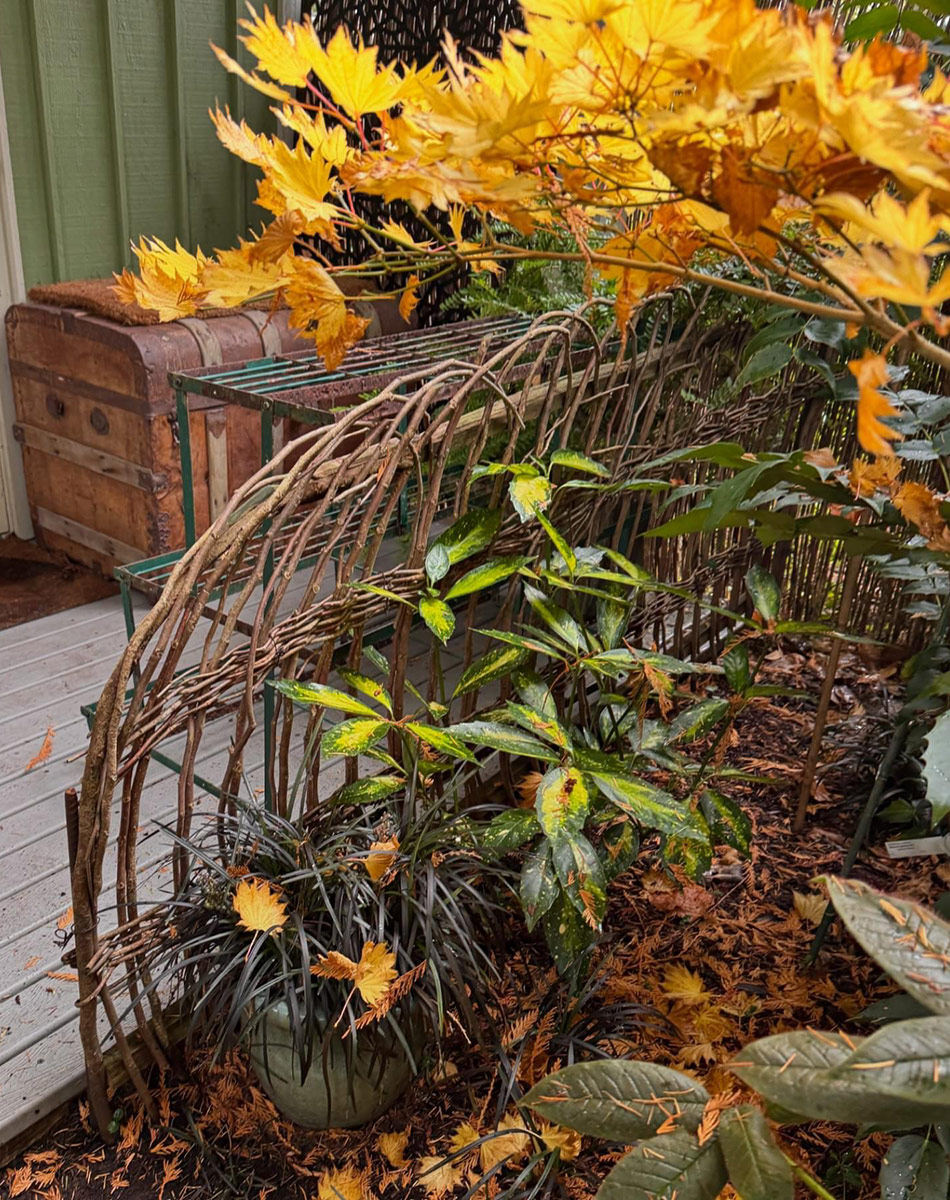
x=96, y=421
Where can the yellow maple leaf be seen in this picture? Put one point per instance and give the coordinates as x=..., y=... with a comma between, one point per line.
x=437, y=1175
x=867, y=476
x=464, y=1136
x=410, y=298
x=509, y=1143
x=686, y=986
x=237, y=137
x=810, y=907
x=252, y=79
x=242, y=274
x=381, y=857
x=343, y=1183
x=919, y=505
x=329, y=143
x=371, y=976
x=871, y=373
x=277, y=48
x=278, y=237
x=259, y=906
x=318, y=310
x=392, y=1146
x=351, y=76
x=567, y=1142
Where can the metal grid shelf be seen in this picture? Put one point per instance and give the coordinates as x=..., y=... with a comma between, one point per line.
x=299, y=385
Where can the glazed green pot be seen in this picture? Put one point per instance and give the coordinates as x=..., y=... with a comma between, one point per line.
x=349, y=1083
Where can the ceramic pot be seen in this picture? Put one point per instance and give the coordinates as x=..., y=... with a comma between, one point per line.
x=349, y=1083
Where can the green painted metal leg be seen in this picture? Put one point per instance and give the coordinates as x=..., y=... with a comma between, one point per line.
x=267, y=453
x=187, y=471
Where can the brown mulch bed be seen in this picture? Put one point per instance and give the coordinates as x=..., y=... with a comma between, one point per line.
x=711, y=967
x=35, y=582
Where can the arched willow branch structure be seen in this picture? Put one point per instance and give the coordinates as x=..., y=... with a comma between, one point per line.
x=269, y=590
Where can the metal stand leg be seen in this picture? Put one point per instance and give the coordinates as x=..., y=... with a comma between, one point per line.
x=267, y=453
x=187, y=470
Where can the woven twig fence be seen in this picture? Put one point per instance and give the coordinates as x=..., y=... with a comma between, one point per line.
x=331, y=500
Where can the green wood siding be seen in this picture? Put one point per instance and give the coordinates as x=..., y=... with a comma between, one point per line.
x=107, y=109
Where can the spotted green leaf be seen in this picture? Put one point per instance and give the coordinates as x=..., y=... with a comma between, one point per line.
x=559, y=541
x=530, y=494
x=539, y=886
x=369, y=687
x=649, y=805
x=757, y=1168
x=438, y=616
x=495, y=664
x=441, y=740
x=507, y=738
x=470, y=534
x=369, y=790
x=353, y=736
x=582, y=877
x=326, y=697
x=728, y=824
x=486, y=575
x=544, y=726
x=562, y=802
x=577, y=462
x=510, y=829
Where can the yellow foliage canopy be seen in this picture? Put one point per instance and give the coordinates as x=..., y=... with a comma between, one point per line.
x=647, y=130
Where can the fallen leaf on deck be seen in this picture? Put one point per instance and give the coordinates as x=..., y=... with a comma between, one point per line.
x=44, y=751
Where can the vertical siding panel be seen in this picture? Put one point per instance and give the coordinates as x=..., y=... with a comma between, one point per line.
x=45, y=142
x=110, y=38
x=180, y=142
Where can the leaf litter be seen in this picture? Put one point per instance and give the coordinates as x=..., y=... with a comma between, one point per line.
x=696, y=971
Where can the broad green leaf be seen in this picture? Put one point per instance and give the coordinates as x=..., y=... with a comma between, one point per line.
x=764, y=363
x=735, y=665
x=490, y=572
x=882, y=18
x=758, y=1169
x=827, y=333
x=649, y=805
x=507, y=738
x=470, y=534
x=578, y=462
x=728, y=824
x=637, y=575
x=535, y=722
x=369, y=790
x=557, y=619
x=559, y=542
x=621, y=846
x=914, y=1167
x=562, y=802
x=535, y=693
x=510, y=830
x=694, y=856
x=533, y=645
x=612, y=619
x=438, y=616
x=909, y=1059
x=618, y=1100
x=925, y=27
x=353, y=736
x=937, y=768
x=765, y=592
x=796, y=1073
x=698, y=720
x=539, y=886
x=438, y=563
x=369, y=687
x=910, y=943
x=582, y=876
x=384, y=592
x=441, y=740
x=530, y=494
x=568, y=937
x=729, y=495
x=326, y=697
x=495, y=664
x=672, y=1167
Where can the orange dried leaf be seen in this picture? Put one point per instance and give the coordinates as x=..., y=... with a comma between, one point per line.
x=44, y=751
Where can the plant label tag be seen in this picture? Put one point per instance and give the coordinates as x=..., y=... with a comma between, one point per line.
x=918, y=847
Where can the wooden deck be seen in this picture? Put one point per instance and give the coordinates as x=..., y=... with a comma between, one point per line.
x=48, y=668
